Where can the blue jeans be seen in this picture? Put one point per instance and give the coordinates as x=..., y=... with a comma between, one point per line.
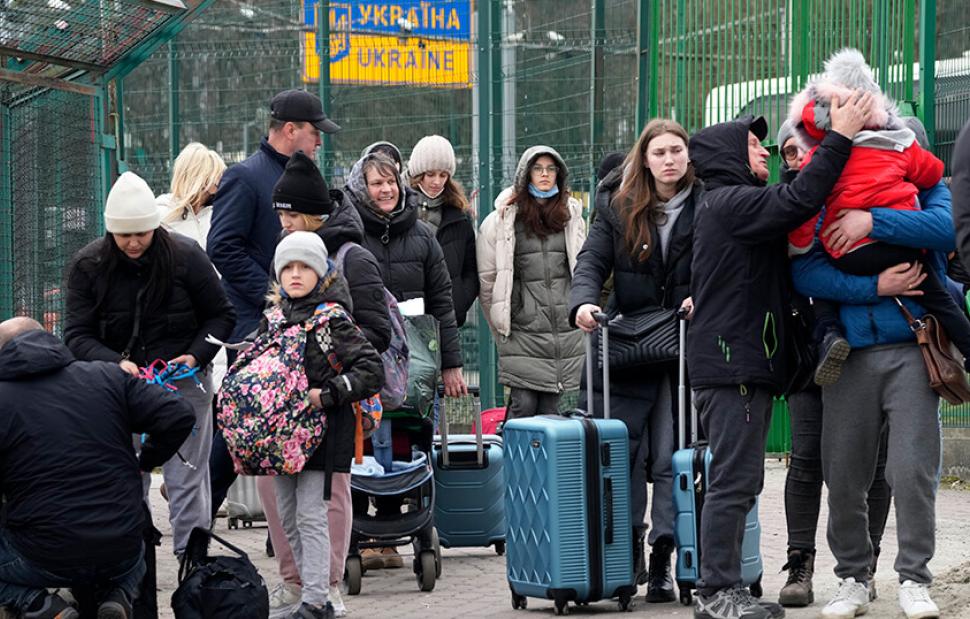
x=21, y=581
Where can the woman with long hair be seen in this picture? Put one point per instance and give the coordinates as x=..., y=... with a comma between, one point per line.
x=139, y=294
x=443, y=206
x=527, y=252
x=187, y=208
x=643, y=235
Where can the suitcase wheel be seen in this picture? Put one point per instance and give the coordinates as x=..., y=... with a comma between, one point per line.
x=562, y=607
x=500, y=548
x=353, y=573
x=755, y=588
x=233, y=523
x=519, y=601
x=685, y=597
x=626, y=602
x=424, y=570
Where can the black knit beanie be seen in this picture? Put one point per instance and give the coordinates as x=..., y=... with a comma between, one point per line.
x=302, y=188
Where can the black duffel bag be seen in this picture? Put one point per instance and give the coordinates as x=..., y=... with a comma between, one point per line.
x=218, y=587
x=647, y=337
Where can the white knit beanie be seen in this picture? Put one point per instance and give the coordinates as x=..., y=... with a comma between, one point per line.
x=305, y=247
x=130, y=208
x=432, y=152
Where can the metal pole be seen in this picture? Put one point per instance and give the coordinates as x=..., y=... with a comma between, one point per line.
x=927, y=67
x=597, y=68
x=508, y=86
x=644, y=51
x=174, y=122
x=486, y=349
x=654, y=44
x=6, y=213
x=325, y=156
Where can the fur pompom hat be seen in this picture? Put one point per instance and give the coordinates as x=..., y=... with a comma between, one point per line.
x=845, y=71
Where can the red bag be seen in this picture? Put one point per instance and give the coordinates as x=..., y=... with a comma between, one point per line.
x=492, y=420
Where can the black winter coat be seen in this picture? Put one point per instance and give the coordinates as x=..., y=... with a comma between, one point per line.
x=361, y=364
x=244, y=232
x=71, y=479
x=196, y=307
x=413, y=266
x=456, y=235
x=636, y=285
x=740, y=264
x=361, y=271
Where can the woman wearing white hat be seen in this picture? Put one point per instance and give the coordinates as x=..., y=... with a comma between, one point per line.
x=139, y=294
x=443, y=206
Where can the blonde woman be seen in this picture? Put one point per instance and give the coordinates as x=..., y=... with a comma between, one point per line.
x=187, y=208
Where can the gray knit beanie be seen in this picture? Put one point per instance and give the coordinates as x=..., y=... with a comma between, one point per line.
x=432, y=152
x=305, y=247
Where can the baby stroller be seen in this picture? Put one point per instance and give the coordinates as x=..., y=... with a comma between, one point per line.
x=412, y=480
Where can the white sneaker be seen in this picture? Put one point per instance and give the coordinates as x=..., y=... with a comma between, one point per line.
x=914, y=599
x=283, y=599
x=339, y=609
x=851, y=601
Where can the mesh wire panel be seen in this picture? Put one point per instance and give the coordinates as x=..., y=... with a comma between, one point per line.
x=952, y=75
x=56, y=206
x=93, y=33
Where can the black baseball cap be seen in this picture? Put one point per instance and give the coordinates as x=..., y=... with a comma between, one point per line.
x=300, y=106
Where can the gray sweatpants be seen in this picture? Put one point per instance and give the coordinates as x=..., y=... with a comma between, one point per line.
x=882, y=384
x=303, y=513
x=189, y=492
x=735, y=420
x=529, y=403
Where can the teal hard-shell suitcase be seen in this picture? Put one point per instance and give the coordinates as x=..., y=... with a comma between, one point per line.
x=567, y=507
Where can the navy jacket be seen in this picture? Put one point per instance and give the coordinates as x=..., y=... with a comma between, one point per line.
x=67, y=467
x=244, y=233
x=740, y=279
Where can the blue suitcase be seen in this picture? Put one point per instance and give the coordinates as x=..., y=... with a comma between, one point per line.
x=469, y=506
x=567, y=507
x=691, y=469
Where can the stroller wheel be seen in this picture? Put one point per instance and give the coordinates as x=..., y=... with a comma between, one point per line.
x=353, y=573
x=425, y=570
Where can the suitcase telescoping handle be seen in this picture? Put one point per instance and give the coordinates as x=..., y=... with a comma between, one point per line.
x=443, y=426
x=603, y=320
x=682, y=395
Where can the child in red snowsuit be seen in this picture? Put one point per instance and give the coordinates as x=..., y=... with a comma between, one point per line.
x=886, y=169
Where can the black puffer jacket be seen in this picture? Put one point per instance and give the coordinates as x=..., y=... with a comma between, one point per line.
x=740, y=263
x=71, y=478
x=196, y=307
x=361, y=271
x=361, y=366
x=456, y=235
x=412, y=264
x=655, y=282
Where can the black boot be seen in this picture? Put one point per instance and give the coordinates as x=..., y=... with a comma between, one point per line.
x=797, y=592
x=660, y=585
x=639, y=555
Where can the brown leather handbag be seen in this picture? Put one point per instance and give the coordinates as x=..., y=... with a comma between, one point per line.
x=943, y=363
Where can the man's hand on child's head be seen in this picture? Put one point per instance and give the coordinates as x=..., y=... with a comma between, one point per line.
x=850, y=117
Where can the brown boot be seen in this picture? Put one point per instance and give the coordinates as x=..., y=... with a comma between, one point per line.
x=797, y=592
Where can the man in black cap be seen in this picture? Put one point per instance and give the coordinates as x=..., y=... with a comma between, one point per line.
x=735, y=353
x=245, y=228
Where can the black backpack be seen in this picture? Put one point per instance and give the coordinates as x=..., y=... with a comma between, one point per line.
x=218, y=587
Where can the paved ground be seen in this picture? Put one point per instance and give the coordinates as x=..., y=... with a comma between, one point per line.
x=473, y=580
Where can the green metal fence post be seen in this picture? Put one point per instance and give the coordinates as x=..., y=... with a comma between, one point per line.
x=596, y=83
x=174, y=113
x=323, y=83
x=653, y=40
x=644, y=49
x=927, y=66
x=6, y=213
x=486, y=194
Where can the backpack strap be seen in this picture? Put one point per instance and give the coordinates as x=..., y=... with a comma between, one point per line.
x=341, y=255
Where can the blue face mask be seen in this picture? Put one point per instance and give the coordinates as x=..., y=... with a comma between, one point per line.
x=538, y=193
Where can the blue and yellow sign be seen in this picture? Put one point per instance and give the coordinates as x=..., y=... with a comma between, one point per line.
x=381, y=42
